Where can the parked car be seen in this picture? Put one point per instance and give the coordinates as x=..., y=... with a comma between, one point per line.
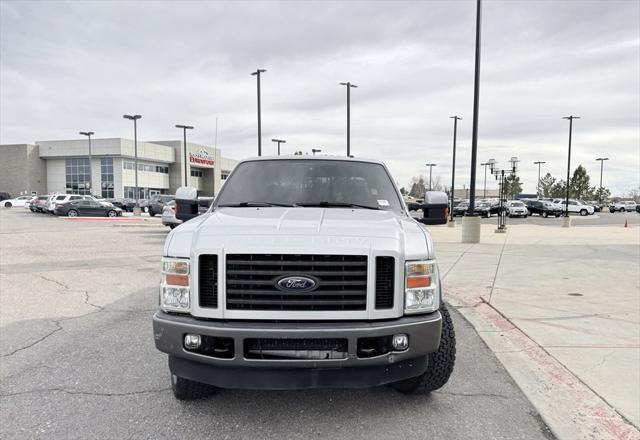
x=516, y=208
x=169, y=215
x=18, y=201
x=543, y=208
x=460, y=208
x=575, y=206
x=597, y=207
x=157, y=202
x=623, y=206
x=124, y=204
x=86, y=208
x=486, y=209
x=4, y=196
x=59, y=199
x=37, y=203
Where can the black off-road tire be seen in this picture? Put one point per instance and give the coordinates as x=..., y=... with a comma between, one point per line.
x=185, y=389
x=441, y=362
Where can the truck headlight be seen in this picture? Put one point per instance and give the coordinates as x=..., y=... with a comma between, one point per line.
x=174, y=289
x=421, y=287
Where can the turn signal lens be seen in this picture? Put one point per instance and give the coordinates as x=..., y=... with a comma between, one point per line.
x=177, y=280
x=415, y=282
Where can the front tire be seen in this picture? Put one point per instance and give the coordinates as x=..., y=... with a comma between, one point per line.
x=72, y=213
x=583, y=212
x=441, y=362
x=185, y=389
x=112, y=213
x=151, y=213
x=622, y=210
x=7, y=205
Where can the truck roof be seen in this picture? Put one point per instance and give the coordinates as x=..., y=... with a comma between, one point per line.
x=311, y=157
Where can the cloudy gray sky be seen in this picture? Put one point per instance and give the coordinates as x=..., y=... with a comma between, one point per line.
x=70, y=66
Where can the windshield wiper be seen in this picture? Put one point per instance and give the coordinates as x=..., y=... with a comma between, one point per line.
x=253, y=204
x=337, y=204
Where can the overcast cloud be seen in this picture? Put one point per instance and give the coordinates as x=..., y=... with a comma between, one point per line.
x=70, y=66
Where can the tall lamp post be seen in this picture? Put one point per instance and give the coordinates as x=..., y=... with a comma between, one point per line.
x=484, y=190
x=455, y=118
x=601, y=160
x=184, y=148
x=430, y=165
x=257, y=75
x=88, y=134
x=476, y=103
x=135, y=118
x=566, y=200
x=539, y=163
x=279, y=141
x=349, y=87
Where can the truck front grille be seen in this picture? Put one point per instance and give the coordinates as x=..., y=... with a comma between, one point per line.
x=295, y=349
x=385, y=269
x=252, y=278
x=208, y=281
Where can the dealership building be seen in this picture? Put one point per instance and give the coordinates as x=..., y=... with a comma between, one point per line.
x=64, y=167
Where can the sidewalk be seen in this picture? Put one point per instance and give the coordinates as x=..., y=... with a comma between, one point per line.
x=563, y=307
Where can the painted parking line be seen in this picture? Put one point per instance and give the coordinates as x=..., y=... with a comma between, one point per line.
x=117, y=219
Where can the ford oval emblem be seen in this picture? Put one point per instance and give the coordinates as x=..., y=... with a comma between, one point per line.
x=296, y=284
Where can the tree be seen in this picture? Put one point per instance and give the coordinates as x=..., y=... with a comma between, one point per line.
x=558, y=190
x=418, y=187
x=603, y=196
x=512, y=186
x=579, y=184
x=403, y=191
x=546, y=183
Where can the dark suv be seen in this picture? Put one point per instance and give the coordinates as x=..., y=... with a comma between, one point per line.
x=543, y=208
x=157, y=202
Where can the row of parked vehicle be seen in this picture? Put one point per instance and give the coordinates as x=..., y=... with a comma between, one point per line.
x=524, y=208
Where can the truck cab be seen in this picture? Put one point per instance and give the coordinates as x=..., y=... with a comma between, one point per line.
x=305, y=272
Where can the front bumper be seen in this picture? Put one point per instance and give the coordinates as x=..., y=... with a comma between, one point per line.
x=350, y=372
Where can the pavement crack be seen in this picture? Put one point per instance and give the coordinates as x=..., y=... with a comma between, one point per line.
x=51, y=280
x=51, y=333
x=456, y=262
x=85, y=393
x=495, y=276
x=449, y=393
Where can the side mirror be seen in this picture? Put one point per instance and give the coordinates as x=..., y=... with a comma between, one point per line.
x=435, y=208
x=186, y=203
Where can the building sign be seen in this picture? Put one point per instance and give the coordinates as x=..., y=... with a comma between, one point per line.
x=201, y=158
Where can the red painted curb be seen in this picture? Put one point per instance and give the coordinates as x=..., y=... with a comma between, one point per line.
x=117, y=219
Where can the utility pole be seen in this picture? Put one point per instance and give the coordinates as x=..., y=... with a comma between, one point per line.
x=135, y=118
x=430, y=165
x=601, y=160
x=566, y=201
x=349, y=86
x=88, y=135
x=455, y=118
x=257, y=75
x=184, y=148
x=279, y=141
x=476, y=103
x=539, y=163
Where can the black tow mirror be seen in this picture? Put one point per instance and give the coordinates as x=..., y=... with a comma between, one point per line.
x=435, y=208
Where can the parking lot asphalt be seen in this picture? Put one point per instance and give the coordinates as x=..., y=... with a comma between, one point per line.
x=78, y=359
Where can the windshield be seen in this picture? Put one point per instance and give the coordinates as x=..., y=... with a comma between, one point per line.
x=324, y=183
x=517, y=204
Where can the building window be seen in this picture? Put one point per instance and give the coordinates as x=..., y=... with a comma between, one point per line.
x=224, y=176
x=145, y=193
x=106, y=177
x=77, y=173
x=196, y=173
x=145, y=167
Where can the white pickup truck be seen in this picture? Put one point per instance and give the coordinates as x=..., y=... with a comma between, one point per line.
x=306, y=272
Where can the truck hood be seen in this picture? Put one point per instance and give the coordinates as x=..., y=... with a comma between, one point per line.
x=311, y=228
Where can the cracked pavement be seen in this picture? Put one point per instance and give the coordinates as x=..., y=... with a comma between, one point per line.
x=78, y=358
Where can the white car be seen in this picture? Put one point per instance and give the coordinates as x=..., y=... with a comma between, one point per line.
x=623, y=206
x=575, y=206
x=515, y=208
x=18, y=201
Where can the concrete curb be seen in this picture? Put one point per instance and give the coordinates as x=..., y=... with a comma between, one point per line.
x=569, y=408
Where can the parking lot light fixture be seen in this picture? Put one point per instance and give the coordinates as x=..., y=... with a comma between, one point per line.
x=455, y=118
x=349, y=87
x=257, y=74
x=279, y=141
x=539, y=163
x=88, y=134
x=430, y=165
x=476, y=109
x=316, y=150
x=135, y=118
x=184, y=148
x=484, y=191
x=601, y=160
x=566, y=200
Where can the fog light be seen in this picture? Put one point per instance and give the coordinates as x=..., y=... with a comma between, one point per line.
x=400, y=342
x=191, y=342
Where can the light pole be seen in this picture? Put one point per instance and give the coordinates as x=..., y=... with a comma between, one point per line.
x=539, y=163
x=135, y=118
x=257, y=75
x=476, y=102
x=315, y=150
x=88, y=135
x=455, y=118
x=430, y=165
x=279, y=141
x=566, y=201
x=601, y=159
x=484, y=191
x=349, y=86
x=184, y=147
